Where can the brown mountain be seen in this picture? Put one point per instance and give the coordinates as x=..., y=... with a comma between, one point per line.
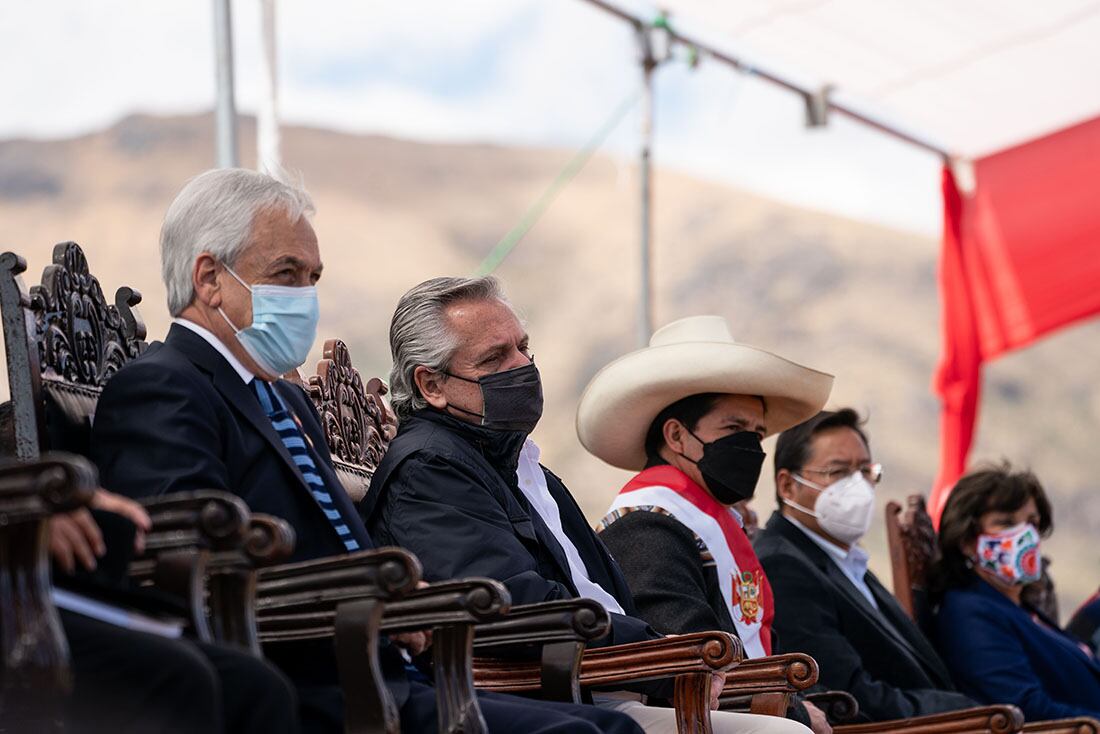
x=853, y=299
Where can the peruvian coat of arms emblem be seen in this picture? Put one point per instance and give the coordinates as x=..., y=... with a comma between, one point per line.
x=746, y=595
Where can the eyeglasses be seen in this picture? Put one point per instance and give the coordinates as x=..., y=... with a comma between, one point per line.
x=871, y=472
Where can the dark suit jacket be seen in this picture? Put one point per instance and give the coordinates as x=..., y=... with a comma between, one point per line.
x=999, y=654
x=179, y=418
x=879, y=656
x=447, y=491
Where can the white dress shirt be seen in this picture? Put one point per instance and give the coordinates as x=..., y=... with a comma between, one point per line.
x=532, y=482
x=223, y=350
x=852, y=562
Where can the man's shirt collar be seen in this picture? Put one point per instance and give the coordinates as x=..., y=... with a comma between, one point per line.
x=245, y=374
x=854, y=559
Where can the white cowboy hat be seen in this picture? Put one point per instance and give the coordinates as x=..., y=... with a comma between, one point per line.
x=687, y=357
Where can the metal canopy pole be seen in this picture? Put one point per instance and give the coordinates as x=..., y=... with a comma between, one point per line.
x=225, y=114
x=777, y=79
x=645, y=296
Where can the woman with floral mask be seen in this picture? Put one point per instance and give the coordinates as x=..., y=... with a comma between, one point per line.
x=1000, y=649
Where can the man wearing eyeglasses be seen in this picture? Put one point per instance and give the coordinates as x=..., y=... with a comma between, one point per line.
x=827, y=603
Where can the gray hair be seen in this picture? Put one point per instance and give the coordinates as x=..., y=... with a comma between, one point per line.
x=214, y=213
x=420, y=334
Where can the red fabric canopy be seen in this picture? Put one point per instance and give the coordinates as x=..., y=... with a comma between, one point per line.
x=1021, y=257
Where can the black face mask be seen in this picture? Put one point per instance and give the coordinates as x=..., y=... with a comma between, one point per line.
x=512, y=399
x=731, y=466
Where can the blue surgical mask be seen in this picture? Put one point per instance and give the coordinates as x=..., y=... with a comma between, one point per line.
x=284, y=325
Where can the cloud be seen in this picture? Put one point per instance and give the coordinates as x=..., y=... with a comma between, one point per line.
x=507, y=71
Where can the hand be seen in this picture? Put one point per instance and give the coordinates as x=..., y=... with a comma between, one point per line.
x=74, y=537
x=132, y=511
x=717, y=683
x=414, y=642
x=818, y=722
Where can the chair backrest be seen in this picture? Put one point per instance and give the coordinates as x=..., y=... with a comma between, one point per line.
x=913, y=548
x=912, y=540
x=358, y=424
x=64, y=342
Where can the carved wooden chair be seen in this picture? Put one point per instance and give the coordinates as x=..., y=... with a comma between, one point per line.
x=34, y=670
x=913, y=548
x=64, y=341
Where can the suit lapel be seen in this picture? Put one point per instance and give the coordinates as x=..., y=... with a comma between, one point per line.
x=819, y=558
x=909, y=630
x=238, y=394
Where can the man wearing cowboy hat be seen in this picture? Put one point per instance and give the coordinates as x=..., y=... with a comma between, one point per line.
x=462, y=487
x=689, y=412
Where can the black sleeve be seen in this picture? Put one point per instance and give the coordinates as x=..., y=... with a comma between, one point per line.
x=807, y=622
x=660, y=560
x=152, y=435
x=442, y=512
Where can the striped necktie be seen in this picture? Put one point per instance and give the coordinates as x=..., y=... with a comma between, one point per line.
x=295, y=443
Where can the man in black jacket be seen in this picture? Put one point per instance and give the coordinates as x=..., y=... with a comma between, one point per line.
x=207, y=409
x=827, y=603
x=461, y=484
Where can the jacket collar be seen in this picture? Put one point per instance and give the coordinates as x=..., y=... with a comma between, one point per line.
x=500, y=448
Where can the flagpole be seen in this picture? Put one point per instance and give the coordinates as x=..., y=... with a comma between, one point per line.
x=225, y=112
x=645, y=295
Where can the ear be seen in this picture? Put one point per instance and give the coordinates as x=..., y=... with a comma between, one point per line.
x=674, y=434
x=785, y=484
x=204, y=279
x=429, y=383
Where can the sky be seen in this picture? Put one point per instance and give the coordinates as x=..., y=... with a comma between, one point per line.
x=531, y=72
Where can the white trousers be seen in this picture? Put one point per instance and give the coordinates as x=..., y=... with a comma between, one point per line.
x=658, y=720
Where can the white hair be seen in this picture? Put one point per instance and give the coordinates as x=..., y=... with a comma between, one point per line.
x=214, y=213
x=420, y=334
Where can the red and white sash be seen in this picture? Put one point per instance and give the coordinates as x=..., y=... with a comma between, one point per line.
x=745, y=587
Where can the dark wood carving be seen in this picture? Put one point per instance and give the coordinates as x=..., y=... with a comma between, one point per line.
x=358, y=424
x=34, y=674
x=912, y=540
x=64, y=342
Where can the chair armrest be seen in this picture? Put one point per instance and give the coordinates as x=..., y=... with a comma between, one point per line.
x=979, y=720
x=699, y=652
x=788, y=673
x=567, y=620
x=208, y=519
x=668, y=657
x=270, y=540
x=764, y=685
x=32, y=491
x=838, y=706
x=460, y=601
x=1079, y=725
x=298, y=600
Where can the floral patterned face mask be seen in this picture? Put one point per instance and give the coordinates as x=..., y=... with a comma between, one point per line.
x=1013, y=554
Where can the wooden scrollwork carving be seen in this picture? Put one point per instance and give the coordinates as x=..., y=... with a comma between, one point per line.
x=358, y=424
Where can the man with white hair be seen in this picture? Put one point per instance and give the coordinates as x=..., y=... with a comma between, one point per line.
x=206, y=409
x=461, y=484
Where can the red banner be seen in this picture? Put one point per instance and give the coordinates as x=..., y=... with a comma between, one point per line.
x=1021, y=257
